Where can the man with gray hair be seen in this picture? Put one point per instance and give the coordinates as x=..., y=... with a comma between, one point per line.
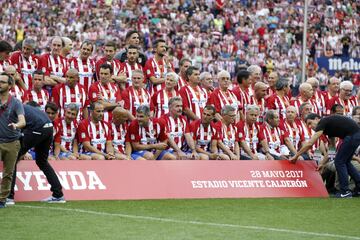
x=279, y=101
x=255, y=74
x=26, y=62
x=228, y=144
x=68, y=46
x=344, y=98
x=222, y=96
x=207, y=82
x=148, y=137
x=272, y=137
x=306, y=95
x=161, y=98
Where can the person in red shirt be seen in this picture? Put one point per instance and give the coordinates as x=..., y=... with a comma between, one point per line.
x=136, y=95
x=306, y=93
x=67, y=48
x=228, y=145
x=156, y=67
x=25, y=62
x=16, y=90
x=94, y=135
x=279, y=101
x=105, y=92
x=109, y=52
x=272, y=138
x=243, y=91
x=53, y=64
x=272, y=79
x=255, y=74
x=148, y=137
x=128, y=67
x=184, y=64
x=178, y=131
x=222, y=96
x=260, y=91
x=333, y=88
x=290, y=126
x=344, y=98
x=194, y=97
x=206, y=134
x=119, y=129
x=161, y=98
x=71, y=92
x=65, y=142
x=85, y=65
x=38, y=94
x=5, y=50
x=318, y=97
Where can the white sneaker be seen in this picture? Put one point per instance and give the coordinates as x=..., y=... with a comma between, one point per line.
x=54, y=200
x=10, y=202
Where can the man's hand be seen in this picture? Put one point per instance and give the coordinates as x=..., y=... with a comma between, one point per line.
x=182, y=155
x=293, y=159
x=195, y=155
x=161, y=146
x=13, y=126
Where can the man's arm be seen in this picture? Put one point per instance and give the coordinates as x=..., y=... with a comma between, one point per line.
x=248, y=150
x=307, y=146
x=190, y=114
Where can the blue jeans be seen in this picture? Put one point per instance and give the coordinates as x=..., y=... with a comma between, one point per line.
x=343, y=165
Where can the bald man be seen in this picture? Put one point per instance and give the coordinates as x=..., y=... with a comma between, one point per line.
x=306, y=94
x=18, y=89
x=318, y=97
x=260, y=91
x=119, y=128
x=71, y=92
x=68, y=46
x=53, y=64
x=290, y=126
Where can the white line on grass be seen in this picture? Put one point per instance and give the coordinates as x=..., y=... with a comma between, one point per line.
x=269, y=229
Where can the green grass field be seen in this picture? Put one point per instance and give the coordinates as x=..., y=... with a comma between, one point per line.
x=185, y=219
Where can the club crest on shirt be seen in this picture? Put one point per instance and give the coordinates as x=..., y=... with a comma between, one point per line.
x=83, y=135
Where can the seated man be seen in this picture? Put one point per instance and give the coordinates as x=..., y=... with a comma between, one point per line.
x=66, y=144
x=228, y=144
x=119, y=129
x=248, y=134
x=272, y=138
x=95, y=136
x=147, y=137
x=178, y=131
x=206, y=134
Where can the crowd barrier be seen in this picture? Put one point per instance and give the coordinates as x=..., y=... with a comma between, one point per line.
x=120, y=180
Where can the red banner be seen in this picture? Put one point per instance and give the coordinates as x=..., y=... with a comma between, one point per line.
x=111, y=180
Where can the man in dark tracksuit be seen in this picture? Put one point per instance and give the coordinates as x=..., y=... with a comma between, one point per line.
x=349, y=132
x=38, y=134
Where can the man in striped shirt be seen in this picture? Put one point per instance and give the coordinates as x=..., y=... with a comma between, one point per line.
x=38, y=94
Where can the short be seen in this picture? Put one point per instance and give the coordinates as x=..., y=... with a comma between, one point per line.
x=64, y=154
x=171, y=151
x=138, y=154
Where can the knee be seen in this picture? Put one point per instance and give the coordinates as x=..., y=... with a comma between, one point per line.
x=149, y=156
x=204, y=157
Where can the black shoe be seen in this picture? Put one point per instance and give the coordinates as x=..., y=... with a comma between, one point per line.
x=347, y=194
x=2, y=205
x=356, y=192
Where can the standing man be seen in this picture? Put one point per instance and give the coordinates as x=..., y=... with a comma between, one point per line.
x=109, y=50
x=38, y=134
x=346, y=129
x=184, y=64
x=11, y=119
x=38, y=94
x=132, y=38
x=128, y=67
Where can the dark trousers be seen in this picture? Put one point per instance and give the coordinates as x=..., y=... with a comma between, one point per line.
x=343, y=165
x=40, y=140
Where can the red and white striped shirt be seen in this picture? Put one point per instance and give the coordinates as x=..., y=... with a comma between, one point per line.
x=110, y=93
x=249, y=134
x=157, y=70
x=176, y=128
x=194, y=99
x=161, y=101
x=219, y=99
x=118, y=135
x=294, y=132
x=63, y=95
x=278, y=103
x=97, y=134
x=26, y=67
x=228, y=135
x=133, y=98
x=41, y=97
x=52, y=65
x=298, y=102
x=181, y=83
x=19, y=93
x=4, y=64
x=65, y=134
x=320, y=102
x=127, y=68
x=274, y=136
x=348, y=104
x=115, y=64
x=204, y=135
x=153, y=133
x=245, y=97
x=86, y=70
